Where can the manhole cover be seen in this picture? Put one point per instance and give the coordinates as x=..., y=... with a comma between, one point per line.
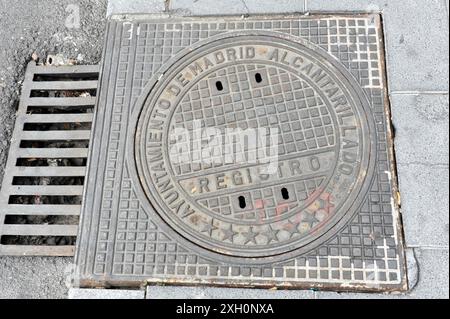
x=250, y=152
x=265, y=81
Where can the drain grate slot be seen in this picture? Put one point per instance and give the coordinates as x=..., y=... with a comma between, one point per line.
x=36, y=180
x=39, y=219
x=55, y=241
x=61, y=93
x=42, y=189
x=65, y=76
x=63, y=126
x=60, y=110
x=43, y=144
x=44, y=162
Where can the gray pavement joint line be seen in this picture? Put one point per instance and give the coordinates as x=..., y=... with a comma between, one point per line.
x=446, y=4
x=245, y=6
x=418, y=93
x=427, y=247
x=436, y=165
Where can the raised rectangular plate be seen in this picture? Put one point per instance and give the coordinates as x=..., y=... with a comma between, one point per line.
x=326, y=218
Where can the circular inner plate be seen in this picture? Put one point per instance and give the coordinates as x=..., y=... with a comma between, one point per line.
x=251, y=82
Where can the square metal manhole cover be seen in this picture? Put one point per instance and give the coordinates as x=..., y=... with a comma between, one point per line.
x=243, y=152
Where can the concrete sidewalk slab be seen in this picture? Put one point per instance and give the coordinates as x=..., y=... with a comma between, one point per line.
x=417, y=57
x=434, y=272
x=174, y=292
x=204, y=7
x=421, y=128
x=347, y=5
x=135, y=6
x=425, y=207
x=76, y=293
x=207, y=7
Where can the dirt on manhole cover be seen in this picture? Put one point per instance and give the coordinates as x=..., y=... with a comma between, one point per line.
x=243, y=151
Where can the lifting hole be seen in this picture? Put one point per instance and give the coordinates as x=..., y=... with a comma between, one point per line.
x=219, y=86
x=285, y=193
x=242, y=203
x=258, y=78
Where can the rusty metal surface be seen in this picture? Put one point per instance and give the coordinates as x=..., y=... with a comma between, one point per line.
x=325, y=218
x=40, y=198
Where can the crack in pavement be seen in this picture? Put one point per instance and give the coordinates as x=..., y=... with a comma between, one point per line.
x=246, y=7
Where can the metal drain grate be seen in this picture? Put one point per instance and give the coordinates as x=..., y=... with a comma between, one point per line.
x=42, y=189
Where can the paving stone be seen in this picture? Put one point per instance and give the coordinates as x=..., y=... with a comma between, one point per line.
x=76, y=293
x=417, y=57
x=346, y=5
x=421, y=128
x=425, y=207
x=434, y=280
x=134, y=6
x=208, y=7
x=270, y=6
x=171, y=292
x=205, y=7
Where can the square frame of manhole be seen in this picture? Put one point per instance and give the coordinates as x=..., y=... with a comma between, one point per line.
x=321, y=82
